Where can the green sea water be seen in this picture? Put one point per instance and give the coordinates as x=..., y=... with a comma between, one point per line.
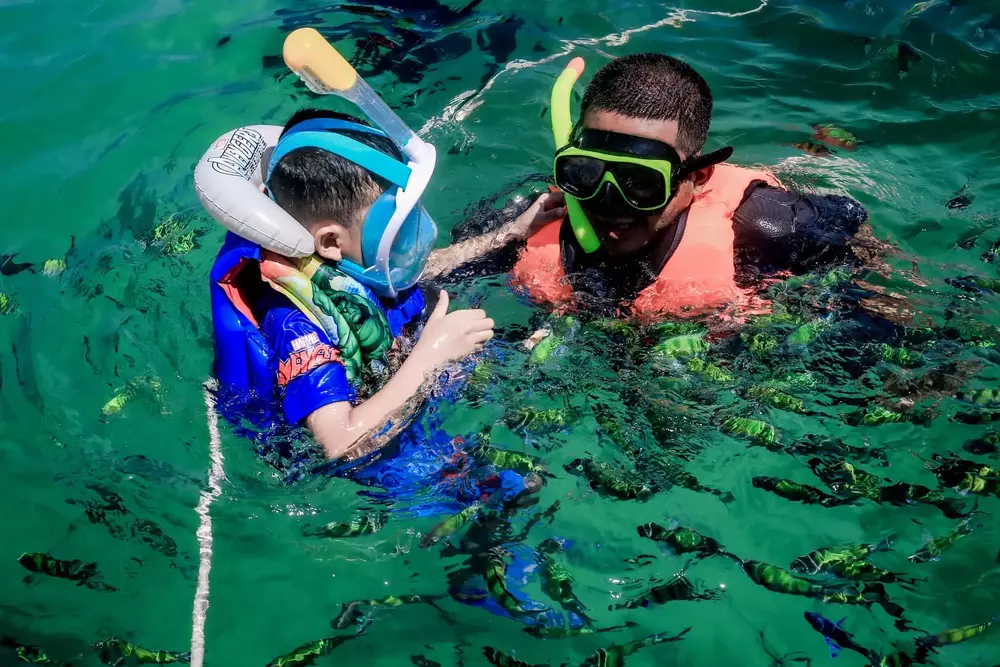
x=108, y=108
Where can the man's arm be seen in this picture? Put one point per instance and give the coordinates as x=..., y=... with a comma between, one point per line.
x=780, y=230
x=549, y=207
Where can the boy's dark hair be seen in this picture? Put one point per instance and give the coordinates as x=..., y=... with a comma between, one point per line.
x=653, y=86
x=312, y=184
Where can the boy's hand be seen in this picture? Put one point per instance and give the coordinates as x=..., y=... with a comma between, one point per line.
x=451, y=336
x=549, y=207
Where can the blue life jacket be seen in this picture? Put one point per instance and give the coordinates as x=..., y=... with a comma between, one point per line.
x=242, y=356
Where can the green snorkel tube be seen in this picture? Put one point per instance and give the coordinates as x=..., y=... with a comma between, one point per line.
x=562, y=128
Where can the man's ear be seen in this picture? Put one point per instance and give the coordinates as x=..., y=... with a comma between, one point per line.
x=331, y=238
x=700, y=178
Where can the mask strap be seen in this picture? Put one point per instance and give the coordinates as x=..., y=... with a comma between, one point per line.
x=692, y=165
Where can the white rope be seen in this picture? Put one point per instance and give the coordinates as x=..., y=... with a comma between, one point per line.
x=215, y=476
x=467, y=102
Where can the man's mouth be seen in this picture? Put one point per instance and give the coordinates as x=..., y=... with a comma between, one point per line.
x=615, y=228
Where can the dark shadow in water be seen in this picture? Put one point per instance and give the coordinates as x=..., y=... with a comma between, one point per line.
x=405, y=39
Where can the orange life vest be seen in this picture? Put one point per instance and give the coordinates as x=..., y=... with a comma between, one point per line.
x=699, y=276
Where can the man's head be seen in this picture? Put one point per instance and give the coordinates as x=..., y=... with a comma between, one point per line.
x=651, y=96
x=329, y=194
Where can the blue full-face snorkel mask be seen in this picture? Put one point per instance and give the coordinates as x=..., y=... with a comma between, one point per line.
x=395, y=239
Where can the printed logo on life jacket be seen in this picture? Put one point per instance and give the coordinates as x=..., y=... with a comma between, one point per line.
x=302, y=342
x=242, y=153
x=306, y=360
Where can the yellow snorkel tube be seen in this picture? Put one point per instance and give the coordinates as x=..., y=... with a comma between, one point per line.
x=562, y=128
x=326, y=72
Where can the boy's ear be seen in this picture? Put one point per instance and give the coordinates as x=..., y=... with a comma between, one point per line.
x=331, y=238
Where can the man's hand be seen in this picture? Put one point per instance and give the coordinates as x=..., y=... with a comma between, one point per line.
x=549, y=207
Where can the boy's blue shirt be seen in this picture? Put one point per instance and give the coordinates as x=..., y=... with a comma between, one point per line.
x=305, y=362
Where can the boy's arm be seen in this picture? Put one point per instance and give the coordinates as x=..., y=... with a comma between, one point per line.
x=316, y=390
x=355, y=430
x=549, y=207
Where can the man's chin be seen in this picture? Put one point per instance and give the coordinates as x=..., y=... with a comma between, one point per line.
x=617, y=244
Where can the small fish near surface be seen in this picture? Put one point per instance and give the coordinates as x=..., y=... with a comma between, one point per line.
x=930, y=643
x=878, y=416
x=775, y=579
x=981, y=397
x=897, y=659
x=973, y=417
x=118, y=652
x=709, y=371
x=850, y=562
x=828, y=446
x=837, y=638
x=614, y=656
x=984, y=446
x=778, y=399
x=30, y=654
x=678, y=589
x=681, y=540
x=813, y=148
x=752, y=429
x=835, y=136
x=543, y=632
x=496, y=584
x=778, y=580
x=532, y=419
x=934, y=547
x=990, y=255
x=354, y=613
x=498, y=658
x=508, y=460
x=974, y=284
x=901, y=356
x=781, y=660
x=557, y=582
x=366, y=524
x=834, y=559
x=670, y=471
x=800, y=493
x=686, y=345
x=903, y=493
x=870, y=594
x=450, y=525
x=846, y=479
x=149, y=533
x=961, y=200
x=308, y=654
x=965, y=476
x=84, y=574
x=609, y=480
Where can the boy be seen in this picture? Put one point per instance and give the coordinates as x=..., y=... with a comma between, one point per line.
x=338, y=354
x=674, y=231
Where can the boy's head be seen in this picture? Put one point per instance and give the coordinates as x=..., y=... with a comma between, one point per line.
x=657, y=97
x=329, y=194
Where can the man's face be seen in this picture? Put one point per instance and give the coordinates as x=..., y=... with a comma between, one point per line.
x=626, y=230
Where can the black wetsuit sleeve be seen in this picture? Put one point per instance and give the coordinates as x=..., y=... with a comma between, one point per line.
x=779, y=230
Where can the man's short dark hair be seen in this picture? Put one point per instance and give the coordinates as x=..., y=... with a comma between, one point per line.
x=313, y=184
x=653, y=86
